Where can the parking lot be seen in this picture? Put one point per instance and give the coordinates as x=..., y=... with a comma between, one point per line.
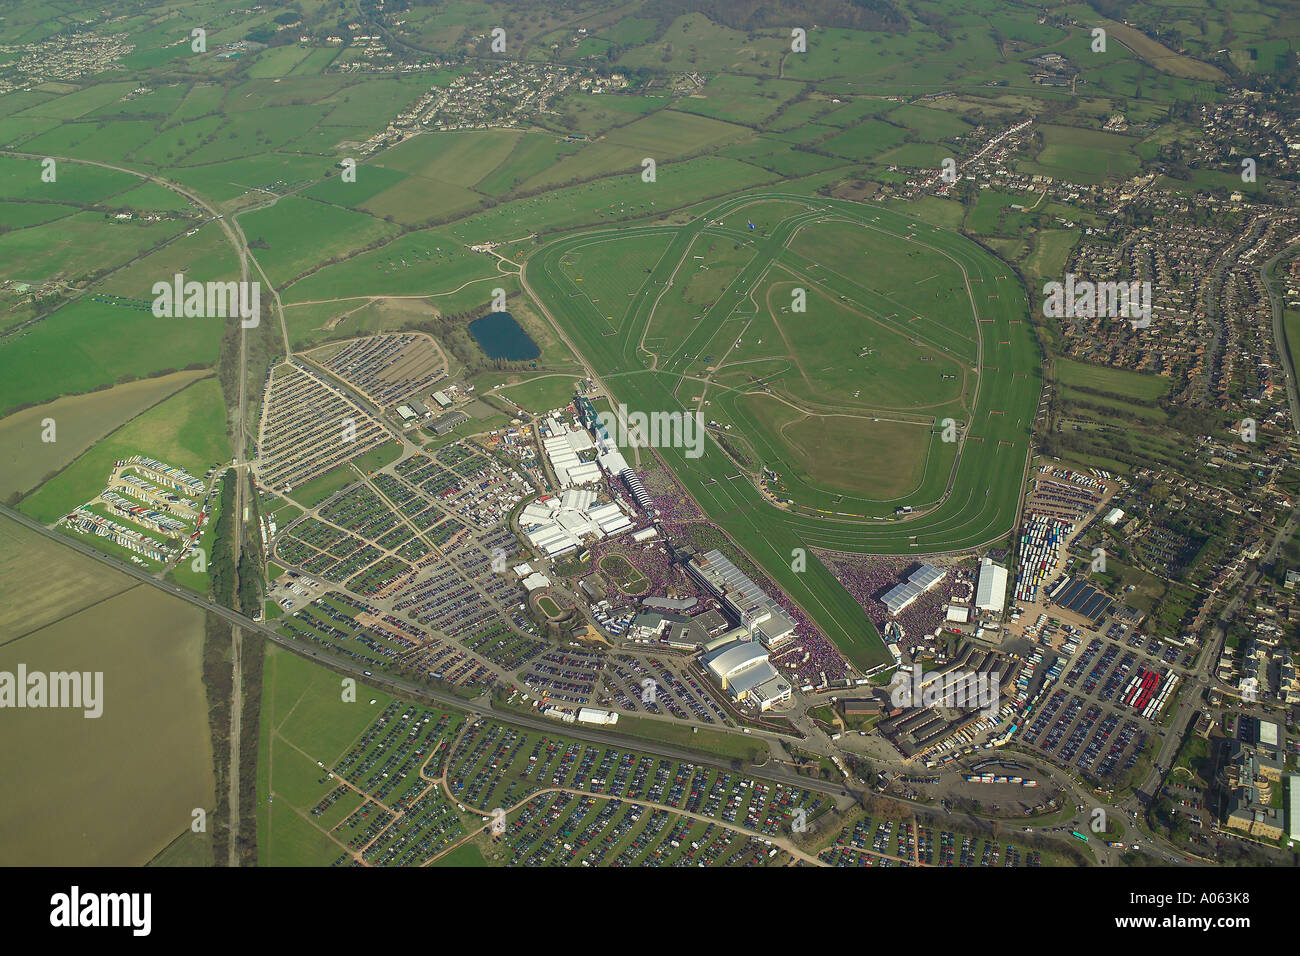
x=887, y=843
x=494, y=765
x=393, y=570
x=308, y=427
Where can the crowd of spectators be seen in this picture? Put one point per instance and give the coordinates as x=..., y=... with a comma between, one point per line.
x=868, y=577
x=652, y=559
x=808, y=658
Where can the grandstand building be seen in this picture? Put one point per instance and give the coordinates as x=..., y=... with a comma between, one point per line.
x=744, y=671
x=590, y=419
x=633, y=481
x=764, y=619
x=586, y=412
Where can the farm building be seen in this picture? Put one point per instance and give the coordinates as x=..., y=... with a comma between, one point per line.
x=449, y=421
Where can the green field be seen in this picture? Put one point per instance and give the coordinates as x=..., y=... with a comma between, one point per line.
x=298, y=234
x=1085, y=155
x=147, y=758
x=304, y=719
x=79, y=421
x=730, y=746
x=322, y=486
x=539, y=394
x=1291, y=327
x=110, y=334
x=186, y=430
x=1145, y=388
x=842, y=454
